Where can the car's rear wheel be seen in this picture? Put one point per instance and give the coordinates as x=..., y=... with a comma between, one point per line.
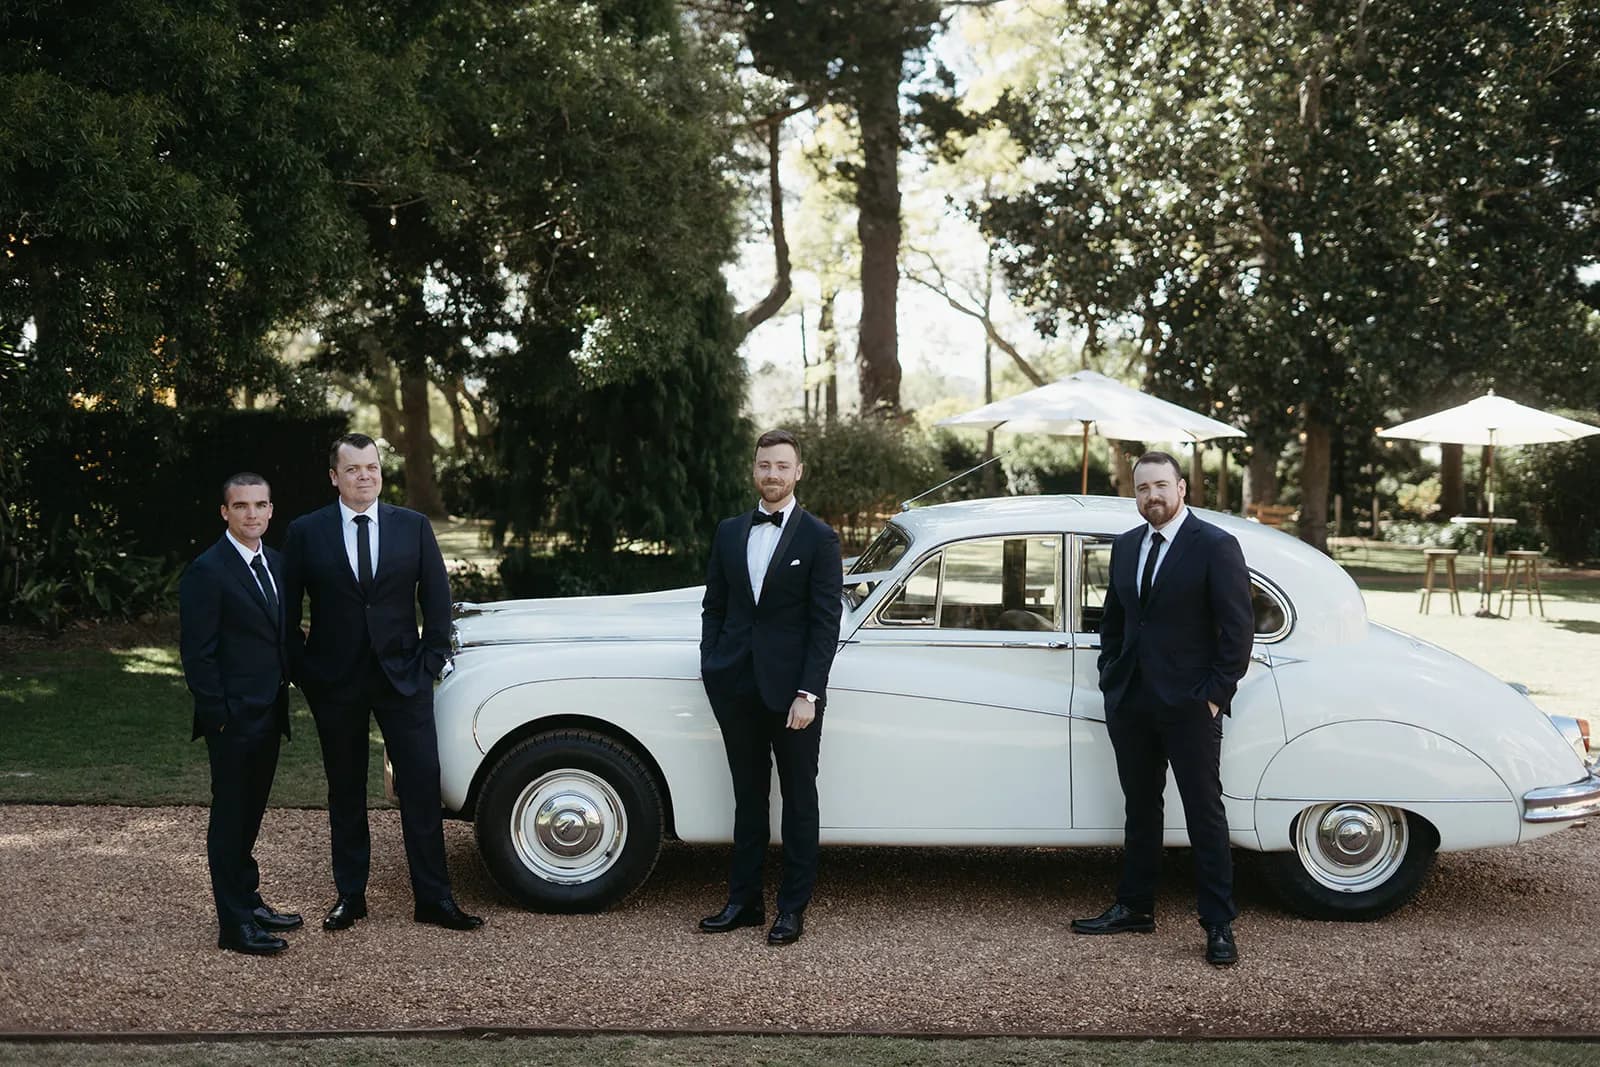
x=1353, y=861
x=569, y=821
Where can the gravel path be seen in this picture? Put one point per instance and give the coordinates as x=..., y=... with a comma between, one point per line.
x=109, y=928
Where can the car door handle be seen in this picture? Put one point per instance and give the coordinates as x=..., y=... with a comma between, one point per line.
x=1034, y=644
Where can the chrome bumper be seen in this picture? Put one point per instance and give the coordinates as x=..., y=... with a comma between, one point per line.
x=1562, y=803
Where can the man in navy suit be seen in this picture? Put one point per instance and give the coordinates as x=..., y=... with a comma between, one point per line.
x=368, y=567
x=1174, y=643
x=231, y=640
x=769, y=627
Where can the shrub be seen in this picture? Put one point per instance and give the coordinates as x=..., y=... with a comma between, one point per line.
x=570, y=572
x=1556, y=482
x=857, y=469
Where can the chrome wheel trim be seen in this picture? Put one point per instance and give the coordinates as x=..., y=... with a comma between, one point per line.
x=1352, y=847
x=569, y=826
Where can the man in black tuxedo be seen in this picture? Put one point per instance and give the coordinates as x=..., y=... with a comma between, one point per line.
x=231, y=639
x=769, y=627
x=1174, y=643
x=367, y=566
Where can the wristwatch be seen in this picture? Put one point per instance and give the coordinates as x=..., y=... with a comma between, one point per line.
x=810, y=698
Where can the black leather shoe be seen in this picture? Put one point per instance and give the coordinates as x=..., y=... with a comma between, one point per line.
x=269, y=918
x=345, y=911
x=731, y=917
x=251, y=940
x=446, y=913
x=1220, y=948
x=786, y=928
x=1117, y=919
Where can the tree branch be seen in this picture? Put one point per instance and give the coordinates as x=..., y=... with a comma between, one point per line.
x=778, y=295
x=943, y=289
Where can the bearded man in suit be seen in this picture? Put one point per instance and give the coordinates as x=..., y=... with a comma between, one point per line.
x=368, y=568
x=1174, y=642
x=231, y=641
x=769, y=629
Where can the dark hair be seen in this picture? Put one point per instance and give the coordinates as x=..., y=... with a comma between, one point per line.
x=357, y=441
x=243, y=478
x=779, y=437
x=1160, y=457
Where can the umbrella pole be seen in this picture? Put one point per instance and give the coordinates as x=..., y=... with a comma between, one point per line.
x=1084, y=484
x=1487, y=585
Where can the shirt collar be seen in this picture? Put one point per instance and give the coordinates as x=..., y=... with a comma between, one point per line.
x=244, y=553
x=346, y=515
x=1170, y=530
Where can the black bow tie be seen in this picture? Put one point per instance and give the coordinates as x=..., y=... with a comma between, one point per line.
x=774, y=517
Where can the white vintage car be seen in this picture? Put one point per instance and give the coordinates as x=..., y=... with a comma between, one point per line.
x=963, y=710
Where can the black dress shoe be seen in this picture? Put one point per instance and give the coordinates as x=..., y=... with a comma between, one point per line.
x=251, y=940
x=731, y=917
x=269, y=918
x=345, y=911
x=1117, y=919
x=1220, y=948
x=446, y=913
x=786, y=928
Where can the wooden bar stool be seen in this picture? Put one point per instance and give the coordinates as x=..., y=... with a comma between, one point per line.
x=1447, y=556
x=1525, y=564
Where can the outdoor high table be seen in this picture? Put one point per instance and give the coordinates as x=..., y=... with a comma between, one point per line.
x=1486, y=574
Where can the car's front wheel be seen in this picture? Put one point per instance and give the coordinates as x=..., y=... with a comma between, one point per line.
x=1353, y=861
x=569, y=821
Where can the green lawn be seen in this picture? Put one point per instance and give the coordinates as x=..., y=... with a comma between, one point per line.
x=111, y=725
x=797, y=1052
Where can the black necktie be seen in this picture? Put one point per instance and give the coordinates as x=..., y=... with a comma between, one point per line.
x=1150, y=567
x=774, y=517
x=364, y=554
x=265, y=582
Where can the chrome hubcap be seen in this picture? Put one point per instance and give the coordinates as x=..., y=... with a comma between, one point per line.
x=1352, y=847
x=569, y=826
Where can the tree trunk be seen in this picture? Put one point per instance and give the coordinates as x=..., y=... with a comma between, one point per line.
x=1197, y=475
x=878, y=227
x=422, y=488
x=778, y=295
x=1315, y=472
x=1452, y=487
x=1222, y=480
x=830, y=357
x=380, y=374
x=458, y=417
x=1261, y=477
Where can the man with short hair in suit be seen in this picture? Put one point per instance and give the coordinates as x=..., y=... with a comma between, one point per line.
x=769, y=628
x=1174, y=643
x=231, y=641
x=367, y=567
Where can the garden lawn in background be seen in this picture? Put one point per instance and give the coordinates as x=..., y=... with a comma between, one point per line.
x=102, y=716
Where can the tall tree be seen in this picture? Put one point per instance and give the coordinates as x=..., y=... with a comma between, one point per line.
x=1322, y=210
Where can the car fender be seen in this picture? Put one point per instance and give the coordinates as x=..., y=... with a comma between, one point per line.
x=1381, y=762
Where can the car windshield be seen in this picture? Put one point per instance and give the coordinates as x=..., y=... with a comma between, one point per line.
x=884, y=552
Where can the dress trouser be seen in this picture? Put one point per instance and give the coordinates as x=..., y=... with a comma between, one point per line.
x=242, y=767
x=1146, y=735
x=406, y=723
x=755, y=737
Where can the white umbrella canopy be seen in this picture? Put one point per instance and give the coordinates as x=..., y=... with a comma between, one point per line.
x=1088, y=402
x=1490, y=421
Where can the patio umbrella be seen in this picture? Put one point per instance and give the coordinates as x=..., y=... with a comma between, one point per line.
x=1489, y=421
x=1085, y=402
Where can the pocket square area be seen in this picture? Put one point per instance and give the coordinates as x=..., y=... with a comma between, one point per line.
x=794, y=563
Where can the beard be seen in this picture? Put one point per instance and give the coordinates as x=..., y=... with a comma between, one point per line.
x=772, y=492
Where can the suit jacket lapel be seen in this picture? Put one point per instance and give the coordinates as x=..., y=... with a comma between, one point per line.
x=784, y=539
x=335, y=531
x=236, y=566
x=1175, y=553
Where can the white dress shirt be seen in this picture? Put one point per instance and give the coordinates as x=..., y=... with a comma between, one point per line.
x=349, y=526
x=1168, y=532
x=762, y=542
x=249, y=557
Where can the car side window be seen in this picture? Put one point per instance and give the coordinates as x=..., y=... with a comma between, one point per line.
x=918, y=600
x=1094, y=579
x=1011, y=583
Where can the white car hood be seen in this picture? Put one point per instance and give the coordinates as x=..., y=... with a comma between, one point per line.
x=672, y=614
